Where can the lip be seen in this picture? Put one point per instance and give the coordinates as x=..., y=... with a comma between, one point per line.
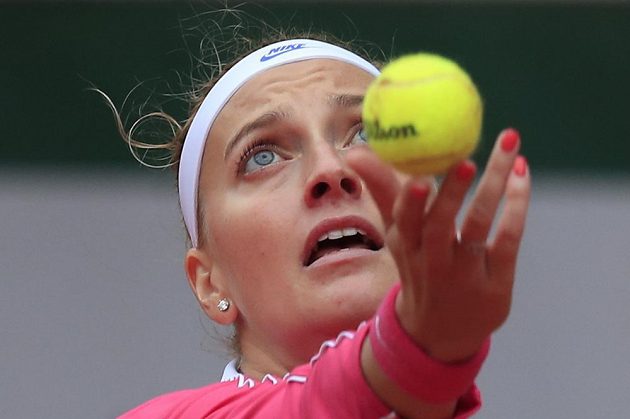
x=337, y=223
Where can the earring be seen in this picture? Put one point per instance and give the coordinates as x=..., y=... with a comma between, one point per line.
x=223, y=305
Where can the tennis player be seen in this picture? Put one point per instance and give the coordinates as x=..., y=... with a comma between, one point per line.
x=352, y=292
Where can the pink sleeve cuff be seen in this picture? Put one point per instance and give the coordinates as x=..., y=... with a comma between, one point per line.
x=407, y=365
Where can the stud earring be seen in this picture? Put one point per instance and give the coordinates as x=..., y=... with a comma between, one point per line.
x=223, y=305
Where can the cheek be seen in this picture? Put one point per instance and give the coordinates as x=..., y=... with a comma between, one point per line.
x=252, y=234
x=255, y=248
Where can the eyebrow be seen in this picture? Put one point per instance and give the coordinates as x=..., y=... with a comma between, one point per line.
x=269, y=118
x=346, y=100
x=262, y=121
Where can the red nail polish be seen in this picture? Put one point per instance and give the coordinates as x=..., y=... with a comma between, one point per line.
x=510, y=140
x=520, y=166
x=465, y=171
x=419, y=191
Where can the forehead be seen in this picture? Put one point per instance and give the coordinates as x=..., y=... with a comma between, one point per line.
x=310, y=79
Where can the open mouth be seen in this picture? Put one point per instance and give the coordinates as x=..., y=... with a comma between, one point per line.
x=338, y=240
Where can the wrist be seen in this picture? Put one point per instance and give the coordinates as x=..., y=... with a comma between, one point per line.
x=411, y=368
x=452, y=352
x=438, y=344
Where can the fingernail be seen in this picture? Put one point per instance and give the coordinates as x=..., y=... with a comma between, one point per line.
x=419, y=191
x=465, y=171
x=520, y=166
x=510, y=140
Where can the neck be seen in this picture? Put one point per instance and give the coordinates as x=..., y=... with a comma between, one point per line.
x=260, y=356
x=257, y=361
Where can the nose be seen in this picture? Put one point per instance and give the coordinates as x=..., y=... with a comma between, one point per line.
x=331, y=179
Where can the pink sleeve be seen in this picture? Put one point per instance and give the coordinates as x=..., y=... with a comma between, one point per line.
x=330, y=386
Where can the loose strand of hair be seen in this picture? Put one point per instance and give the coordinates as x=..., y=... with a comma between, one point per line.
x=128, y=136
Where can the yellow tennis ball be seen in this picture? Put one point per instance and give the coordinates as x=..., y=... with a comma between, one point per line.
x=422, y=114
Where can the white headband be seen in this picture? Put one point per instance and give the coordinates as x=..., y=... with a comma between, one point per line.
x=270, y=56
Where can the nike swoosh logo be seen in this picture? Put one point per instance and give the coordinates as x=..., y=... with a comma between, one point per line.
x=269, y=57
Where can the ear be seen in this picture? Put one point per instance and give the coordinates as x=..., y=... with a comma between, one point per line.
x=208, y=285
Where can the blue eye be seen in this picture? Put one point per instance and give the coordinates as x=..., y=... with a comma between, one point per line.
x=360, y=137
x=264, y=158
x=260, y=159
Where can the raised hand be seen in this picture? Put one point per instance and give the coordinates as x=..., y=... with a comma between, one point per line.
x=456, y=287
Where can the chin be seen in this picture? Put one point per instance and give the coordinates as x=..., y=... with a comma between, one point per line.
x=357, y=297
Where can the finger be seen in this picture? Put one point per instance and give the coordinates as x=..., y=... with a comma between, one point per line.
x=503, y=251
x=379, y=178
x=409, y=212
x=480, y=215
x=440, y=221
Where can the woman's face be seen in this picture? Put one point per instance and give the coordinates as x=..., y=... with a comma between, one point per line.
x=276, y=195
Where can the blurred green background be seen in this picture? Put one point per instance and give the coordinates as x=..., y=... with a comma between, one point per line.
x=559, y=72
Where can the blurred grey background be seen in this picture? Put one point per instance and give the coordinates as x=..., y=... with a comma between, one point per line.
x=95, y=312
